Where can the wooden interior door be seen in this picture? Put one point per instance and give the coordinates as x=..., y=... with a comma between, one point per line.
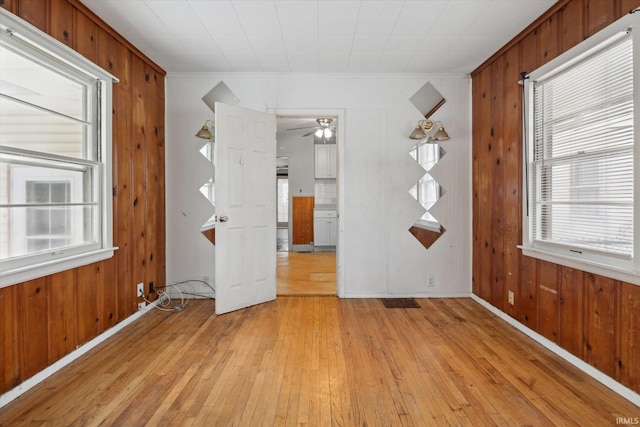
x=302, y=221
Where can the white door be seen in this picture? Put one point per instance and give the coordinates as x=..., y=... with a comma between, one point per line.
x=245, y=177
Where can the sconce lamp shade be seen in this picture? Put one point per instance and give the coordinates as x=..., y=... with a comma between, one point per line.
x=204, y=133
x=418, y=133
x=441, y=135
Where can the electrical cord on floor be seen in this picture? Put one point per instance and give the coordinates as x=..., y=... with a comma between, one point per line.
x=197, y=281
x=166, y=302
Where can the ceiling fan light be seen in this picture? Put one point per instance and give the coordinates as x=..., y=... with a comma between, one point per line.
x=319, y=133
x=324, y=122
x=327, y=133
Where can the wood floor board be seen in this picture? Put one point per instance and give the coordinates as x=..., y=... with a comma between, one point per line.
x=306, y=273
x=504, y=377
x=320, y=361
x=556, y=402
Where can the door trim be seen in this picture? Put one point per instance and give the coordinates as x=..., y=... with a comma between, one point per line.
x=340, y=114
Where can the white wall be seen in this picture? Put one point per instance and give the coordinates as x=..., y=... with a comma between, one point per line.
x=300, y=152
x=379, y=256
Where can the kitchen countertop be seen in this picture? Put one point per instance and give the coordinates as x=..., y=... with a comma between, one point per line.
x=325, y=207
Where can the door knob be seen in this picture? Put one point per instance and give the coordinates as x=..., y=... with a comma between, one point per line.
x=224, y=218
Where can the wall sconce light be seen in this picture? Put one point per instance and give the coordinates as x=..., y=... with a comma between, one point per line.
x=205, y=133
x=424, y=128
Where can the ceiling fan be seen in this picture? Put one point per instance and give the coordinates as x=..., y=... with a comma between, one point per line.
x=325, y=129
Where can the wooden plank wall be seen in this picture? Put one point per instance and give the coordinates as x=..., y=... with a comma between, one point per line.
x=593, y=317
x=44, y=319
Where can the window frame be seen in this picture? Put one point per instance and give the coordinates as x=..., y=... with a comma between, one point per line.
x=32, y=234
x=285, y=200
x=21, y=179
x=613, y=266
x=18, y=33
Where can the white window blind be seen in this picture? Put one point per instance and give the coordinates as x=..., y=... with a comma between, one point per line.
x=583, y=154
x=581, y=135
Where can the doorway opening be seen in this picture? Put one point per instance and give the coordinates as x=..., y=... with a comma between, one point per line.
x=307, y=222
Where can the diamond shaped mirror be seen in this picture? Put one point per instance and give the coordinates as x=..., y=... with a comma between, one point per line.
x=427, y=152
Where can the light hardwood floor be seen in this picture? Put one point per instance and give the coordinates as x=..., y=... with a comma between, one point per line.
x=306, y=273
x=320, y=361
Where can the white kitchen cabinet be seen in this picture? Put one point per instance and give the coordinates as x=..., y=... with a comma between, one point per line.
x=325, y=228
x=325, y=160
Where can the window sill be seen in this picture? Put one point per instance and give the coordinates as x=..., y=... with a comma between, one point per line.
x=23, y=274
x=616, y=273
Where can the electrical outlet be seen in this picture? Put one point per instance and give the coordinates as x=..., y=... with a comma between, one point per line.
x=511, y=296
x=140, y=290
x=431, y=282
x=142, y=305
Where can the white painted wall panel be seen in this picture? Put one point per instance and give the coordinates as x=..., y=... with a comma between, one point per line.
x=363, y=219
x=380, y=257
x=189, y=254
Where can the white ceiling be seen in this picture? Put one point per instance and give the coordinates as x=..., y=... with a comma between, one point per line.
x=319, y=36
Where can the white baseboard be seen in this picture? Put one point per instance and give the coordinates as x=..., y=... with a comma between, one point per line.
x=408, y=295
x=75, y=354
x=609, y=382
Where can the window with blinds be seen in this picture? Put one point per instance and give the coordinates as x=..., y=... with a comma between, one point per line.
x=583, y=153
x=580, y=123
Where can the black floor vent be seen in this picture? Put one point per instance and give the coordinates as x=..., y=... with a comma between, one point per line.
x=400, y=302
